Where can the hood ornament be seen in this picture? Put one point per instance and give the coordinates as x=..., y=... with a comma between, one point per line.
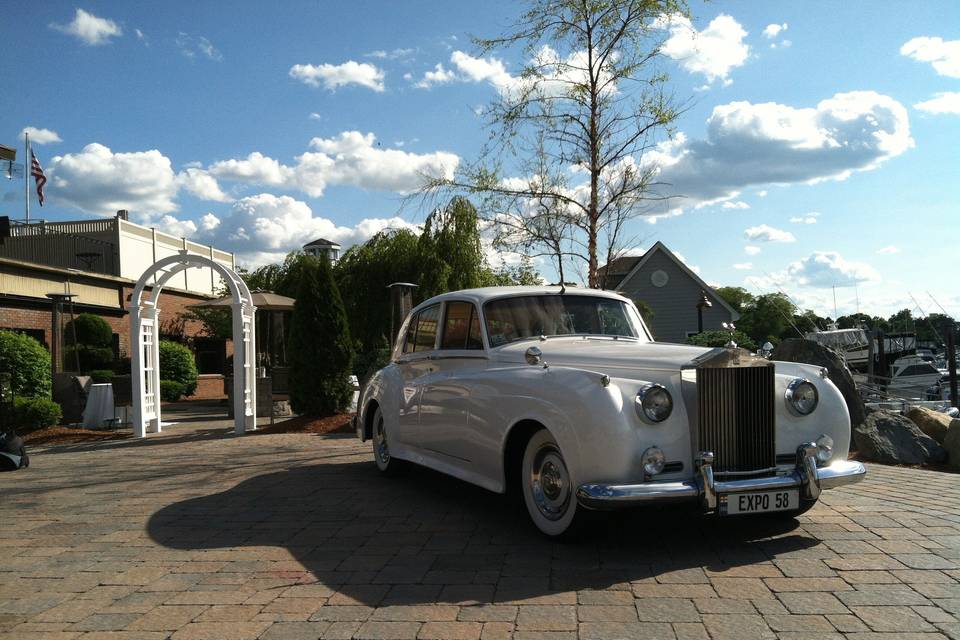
x=731, y=345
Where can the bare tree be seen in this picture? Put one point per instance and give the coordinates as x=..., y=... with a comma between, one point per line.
x=572, y=129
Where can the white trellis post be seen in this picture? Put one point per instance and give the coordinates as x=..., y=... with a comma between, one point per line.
x=145, y=352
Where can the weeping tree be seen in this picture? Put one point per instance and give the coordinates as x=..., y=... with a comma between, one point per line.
x=449, y=250
x=567, y=166
x=321, y=353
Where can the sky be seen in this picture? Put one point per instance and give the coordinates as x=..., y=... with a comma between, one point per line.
x=817, y=154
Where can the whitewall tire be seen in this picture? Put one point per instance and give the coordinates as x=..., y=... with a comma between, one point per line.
x=386, y=463
x=548, y=491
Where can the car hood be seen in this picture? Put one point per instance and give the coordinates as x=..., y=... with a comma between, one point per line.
x=603, y=353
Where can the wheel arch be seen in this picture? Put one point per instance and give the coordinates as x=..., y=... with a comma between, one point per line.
x=369, y=410
x=518, y=435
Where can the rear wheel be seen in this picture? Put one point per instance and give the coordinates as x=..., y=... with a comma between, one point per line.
x=548, y=491
x=381, y=448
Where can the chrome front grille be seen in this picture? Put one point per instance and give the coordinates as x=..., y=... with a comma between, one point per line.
x=736, y=417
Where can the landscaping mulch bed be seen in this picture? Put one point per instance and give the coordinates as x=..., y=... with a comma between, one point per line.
x=67, y=435
x=337, y=423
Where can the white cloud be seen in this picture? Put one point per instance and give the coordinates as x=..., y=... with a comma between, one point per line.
x=807, y=218
x=439, y=75
x=743, y=266
x=90, y=29
x=202, y=185
x=350, y=158
x=263, y=228
x=682, y=259
x=98, y=180
x=489, y=69
x=40, y=136
x=395, y=54
x=828, y=269
x=751, y=250
x=771, y=31
x=760, y=144
x=315, y=116
x=712, y=52
x=331, y=76
x=945, y=102
x=762, y=193
x=888, y=250
x=735, y=204
x=944, y=55
x=766, y=233
x=190, y=46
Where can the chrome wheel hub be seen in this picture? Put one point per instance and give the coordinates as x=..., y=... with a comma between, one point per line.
x=380, y=448
x=550, y=483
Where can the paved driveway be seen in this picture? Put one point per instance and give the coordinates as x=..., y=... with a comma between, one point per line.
x=294, y=536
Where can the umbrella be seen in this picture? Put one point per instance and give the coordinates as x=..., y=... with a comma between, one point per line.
x=262, y=300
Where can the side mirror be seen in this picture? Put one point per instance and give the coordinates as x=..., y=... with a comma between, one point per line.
x=533, y=355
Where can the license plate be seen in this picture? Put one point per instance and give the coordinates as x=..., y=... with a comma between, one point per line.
x=760, y=502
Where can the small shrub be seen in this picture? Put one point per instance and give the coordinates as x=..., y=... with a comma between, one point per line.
x=177, y=364
x=28, y=363
x=90, y=357
x=30, y=414
x=101, y=376
x=171, y=390
x=91, y=330
x=719, y=338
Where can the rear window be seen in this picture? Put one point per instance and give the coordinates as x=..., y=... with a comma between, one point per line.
x=461, y=327
x=426, y=337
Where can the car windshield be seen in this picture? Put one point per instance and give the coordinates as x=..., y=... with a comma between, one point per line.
x=511, y=319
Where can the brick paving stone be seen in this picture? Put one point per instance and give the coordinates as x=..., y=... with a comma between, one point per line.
x=666, y=610
x=547, y=618
x=802, y=602
x=166, y=618
x=804, y=623
x=606, y=613
x=892, y=619
x=342, y=613
x=416, y=613
x=934, y=614
x=744, y=588
x=724, y=605
x=690, y=631
x=625, y=631
x=341, y=630
x=875, y=595
x=295, y=631
x=737, y=627
x=847, y=623
x=220, y=630
x=806, y=584
x=488, y=613
x=380, y=630
x=450, y=631
x=229, y=613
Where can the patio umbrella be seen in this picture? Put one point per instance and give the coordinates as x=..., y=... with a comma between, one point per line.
x=262, y=300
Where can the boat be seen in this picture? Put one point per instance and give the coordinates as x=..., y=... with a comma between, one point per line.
x=912, y=374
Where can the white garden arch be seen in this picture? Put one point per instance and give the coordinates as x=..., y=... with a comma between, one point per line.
x=145, y=351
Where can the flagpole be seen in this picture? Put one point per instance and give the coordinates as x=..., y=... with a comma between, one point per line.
x=26, y=176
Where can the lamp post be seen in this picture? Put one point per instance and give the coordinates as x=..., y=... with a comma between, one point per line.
x=704, y=303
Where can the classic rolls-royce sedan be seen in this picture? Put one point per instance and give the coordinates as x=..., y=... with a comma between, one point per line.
x=564, y=397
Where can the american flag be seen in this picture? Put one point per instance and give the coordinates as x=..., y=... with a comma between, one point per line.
x=37, y=172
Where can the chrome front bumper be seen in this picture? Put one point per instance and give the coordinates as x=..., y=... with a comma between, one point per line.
x=809, y=479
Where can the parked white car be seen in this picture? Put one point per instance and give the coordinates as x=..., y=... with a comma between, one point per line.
x=565, y=397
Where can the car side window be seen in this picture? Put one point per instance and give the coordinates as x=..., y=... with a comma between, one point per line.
x=461, y=327
x=408, y=341
x=427, y=323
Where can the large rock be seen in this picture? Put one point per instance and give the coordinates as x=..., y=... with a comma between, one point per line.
x=932, y=423
x=952, y=444
x=891, y=438
x=810, y=352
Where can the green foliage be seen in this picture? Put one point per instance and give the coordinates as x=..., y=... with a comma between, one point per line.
x=101, y=375
x=89, y=329
x=720, y=338
x=737, y=297
x=321, y=352
x=27, y=362
x=177, y=364
x=89, y=358
x=522, y=274
x=171, y=390
x=217, y=321
x=284, y=278
x=449, y=248
x=646, y=311
x=768, y=318
x=30, y=414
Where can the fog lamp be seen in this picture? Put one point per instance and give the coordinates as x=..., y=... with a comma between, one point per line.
x=802, y=397
x=653, y=461
x=824, y=448
x=654, y=403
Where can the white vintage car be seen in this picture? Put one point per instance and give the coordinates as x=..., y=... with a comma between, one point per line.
x=565, y=397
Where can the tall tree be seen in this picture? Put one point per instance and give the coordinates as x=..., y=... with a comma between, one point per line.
x=565, y=170
x=449, y=248
x=321, y=353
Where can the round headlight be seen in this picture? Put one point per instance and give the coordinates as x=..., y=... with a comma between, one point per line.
x=654, y=403
x=802, y=397
x=653, y=461
x=824, y=448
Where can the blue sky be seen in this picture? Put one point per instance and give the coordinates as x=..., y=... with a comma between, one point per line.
x=819, y=154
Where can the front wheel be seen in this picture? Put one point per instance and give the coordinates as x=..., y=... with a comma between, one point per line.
x=386, y=463
x=548, y=491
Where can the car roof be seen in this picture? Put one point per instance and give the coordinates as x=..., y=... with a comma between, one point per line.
x=484, y=294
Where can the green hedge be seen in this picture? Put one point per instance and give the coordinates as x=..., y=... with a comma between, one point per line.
x=101, y=376
x=91, y=358
x=30, y=414
x=177, y=364
x=171, y=390
x=28, y=364
x=91, y=330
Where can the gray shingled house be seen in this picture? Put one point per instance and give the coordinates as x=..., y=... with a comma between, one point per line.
x=671, y=290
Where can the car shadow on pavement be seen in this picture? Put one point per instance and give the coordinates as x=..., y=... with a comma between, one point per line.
x=424, y=537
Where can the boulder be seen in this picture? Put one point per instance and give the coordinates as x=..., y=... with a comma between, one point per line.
x=891, y=438
x=952, y=444
x=932, y=423
x=810, y=352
